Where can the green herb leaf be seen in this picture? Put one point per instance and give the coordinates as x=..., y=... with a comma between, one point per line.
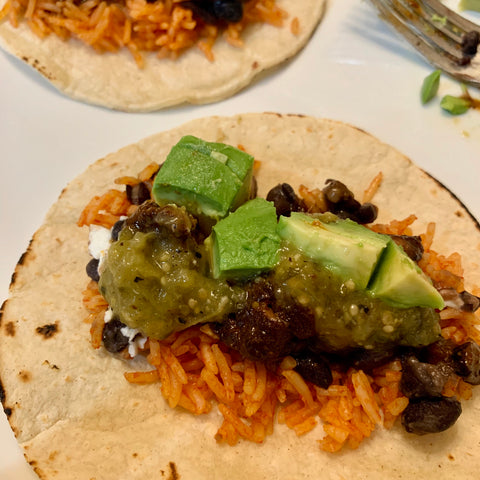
x=455, y=105
x=438, y=19
x=430, y=86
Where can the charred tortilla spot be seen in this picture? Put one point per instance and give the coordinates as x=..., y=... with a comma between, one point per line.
x=48, y=331
x=2, y=308
x=8, y=410
x=23, y=256
x=52, y=455
x=52, y=366
x=36, y=469
x=26, y=255
x=254, y=65
x=10, y=329
x=2, y=393
x=173, y=475
x=454, y=197
x=24, y=376
x=39, y=67
x=459, y=214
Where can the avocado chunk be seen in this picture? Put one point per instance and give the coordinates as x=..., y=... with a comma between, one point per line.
x=399, y=282
x=209, y=179
x=245, y=243
x=341, y=246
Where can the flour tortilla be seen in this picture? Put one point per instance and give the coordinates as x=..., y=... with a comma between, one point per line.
x=78, y=418
x=115, y=81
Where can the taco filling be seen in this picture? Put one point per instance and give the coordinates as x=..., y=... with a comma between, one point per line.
x=297, y=305
x=167, y=28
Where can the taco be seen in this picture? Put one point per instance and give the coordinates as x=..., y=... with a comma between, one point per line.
x=82, y=412
x=107, y=53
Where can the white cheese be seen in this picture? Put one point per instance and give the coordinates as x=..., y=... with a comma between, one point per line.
x=98, y=241
x=108, y=315
x=128, y=332
x=135, y=340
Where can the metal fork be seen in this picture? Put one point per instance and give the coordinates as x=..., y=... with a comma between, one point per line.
x=446, y=40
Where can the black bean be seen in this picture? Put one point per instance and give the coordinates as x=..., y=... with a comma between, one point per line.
x=367, y=213
x=430, y=415
x=138, y=194
x=367, y=360
x=285, y=199
x=471, y=303
x=203, y=9
x=92, y=269
x=440, y=351
x=467, y=362
x=341, y=201
x=113, y=338
x=337, y=192
x=421, y=379
x=116, y=229
x=412, y=245
x=228, y=10
x=464, y=301
x=216, y=11
x=314, y=369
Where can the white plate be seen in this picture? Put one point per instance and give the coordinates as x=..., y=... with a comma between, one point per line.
x=354, y=69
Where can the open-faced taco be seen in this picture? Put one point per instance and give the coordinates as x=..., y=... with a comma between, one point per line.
x=142, y=56
x=90, y=395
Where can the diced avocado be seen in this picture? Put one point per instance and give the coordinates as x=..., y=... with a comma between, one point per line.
x=342, y=246
x=209, y=179
x=245, y=243
x=399, y=282
x=238, y=161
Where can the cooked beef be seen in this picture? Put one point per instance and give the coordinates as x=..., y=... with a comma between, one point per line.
x=257, y=333
x=264, y=330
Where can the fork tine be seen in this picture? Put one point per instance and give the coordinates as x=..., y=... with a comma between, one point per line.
x=436, y=32
x=424, y=27
x=454, y=18
x=453, y=26
x=407, y=24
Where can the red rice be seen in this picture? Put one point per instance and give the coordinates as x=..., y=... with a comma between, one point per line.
x=197, y=372
x=163, y=27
